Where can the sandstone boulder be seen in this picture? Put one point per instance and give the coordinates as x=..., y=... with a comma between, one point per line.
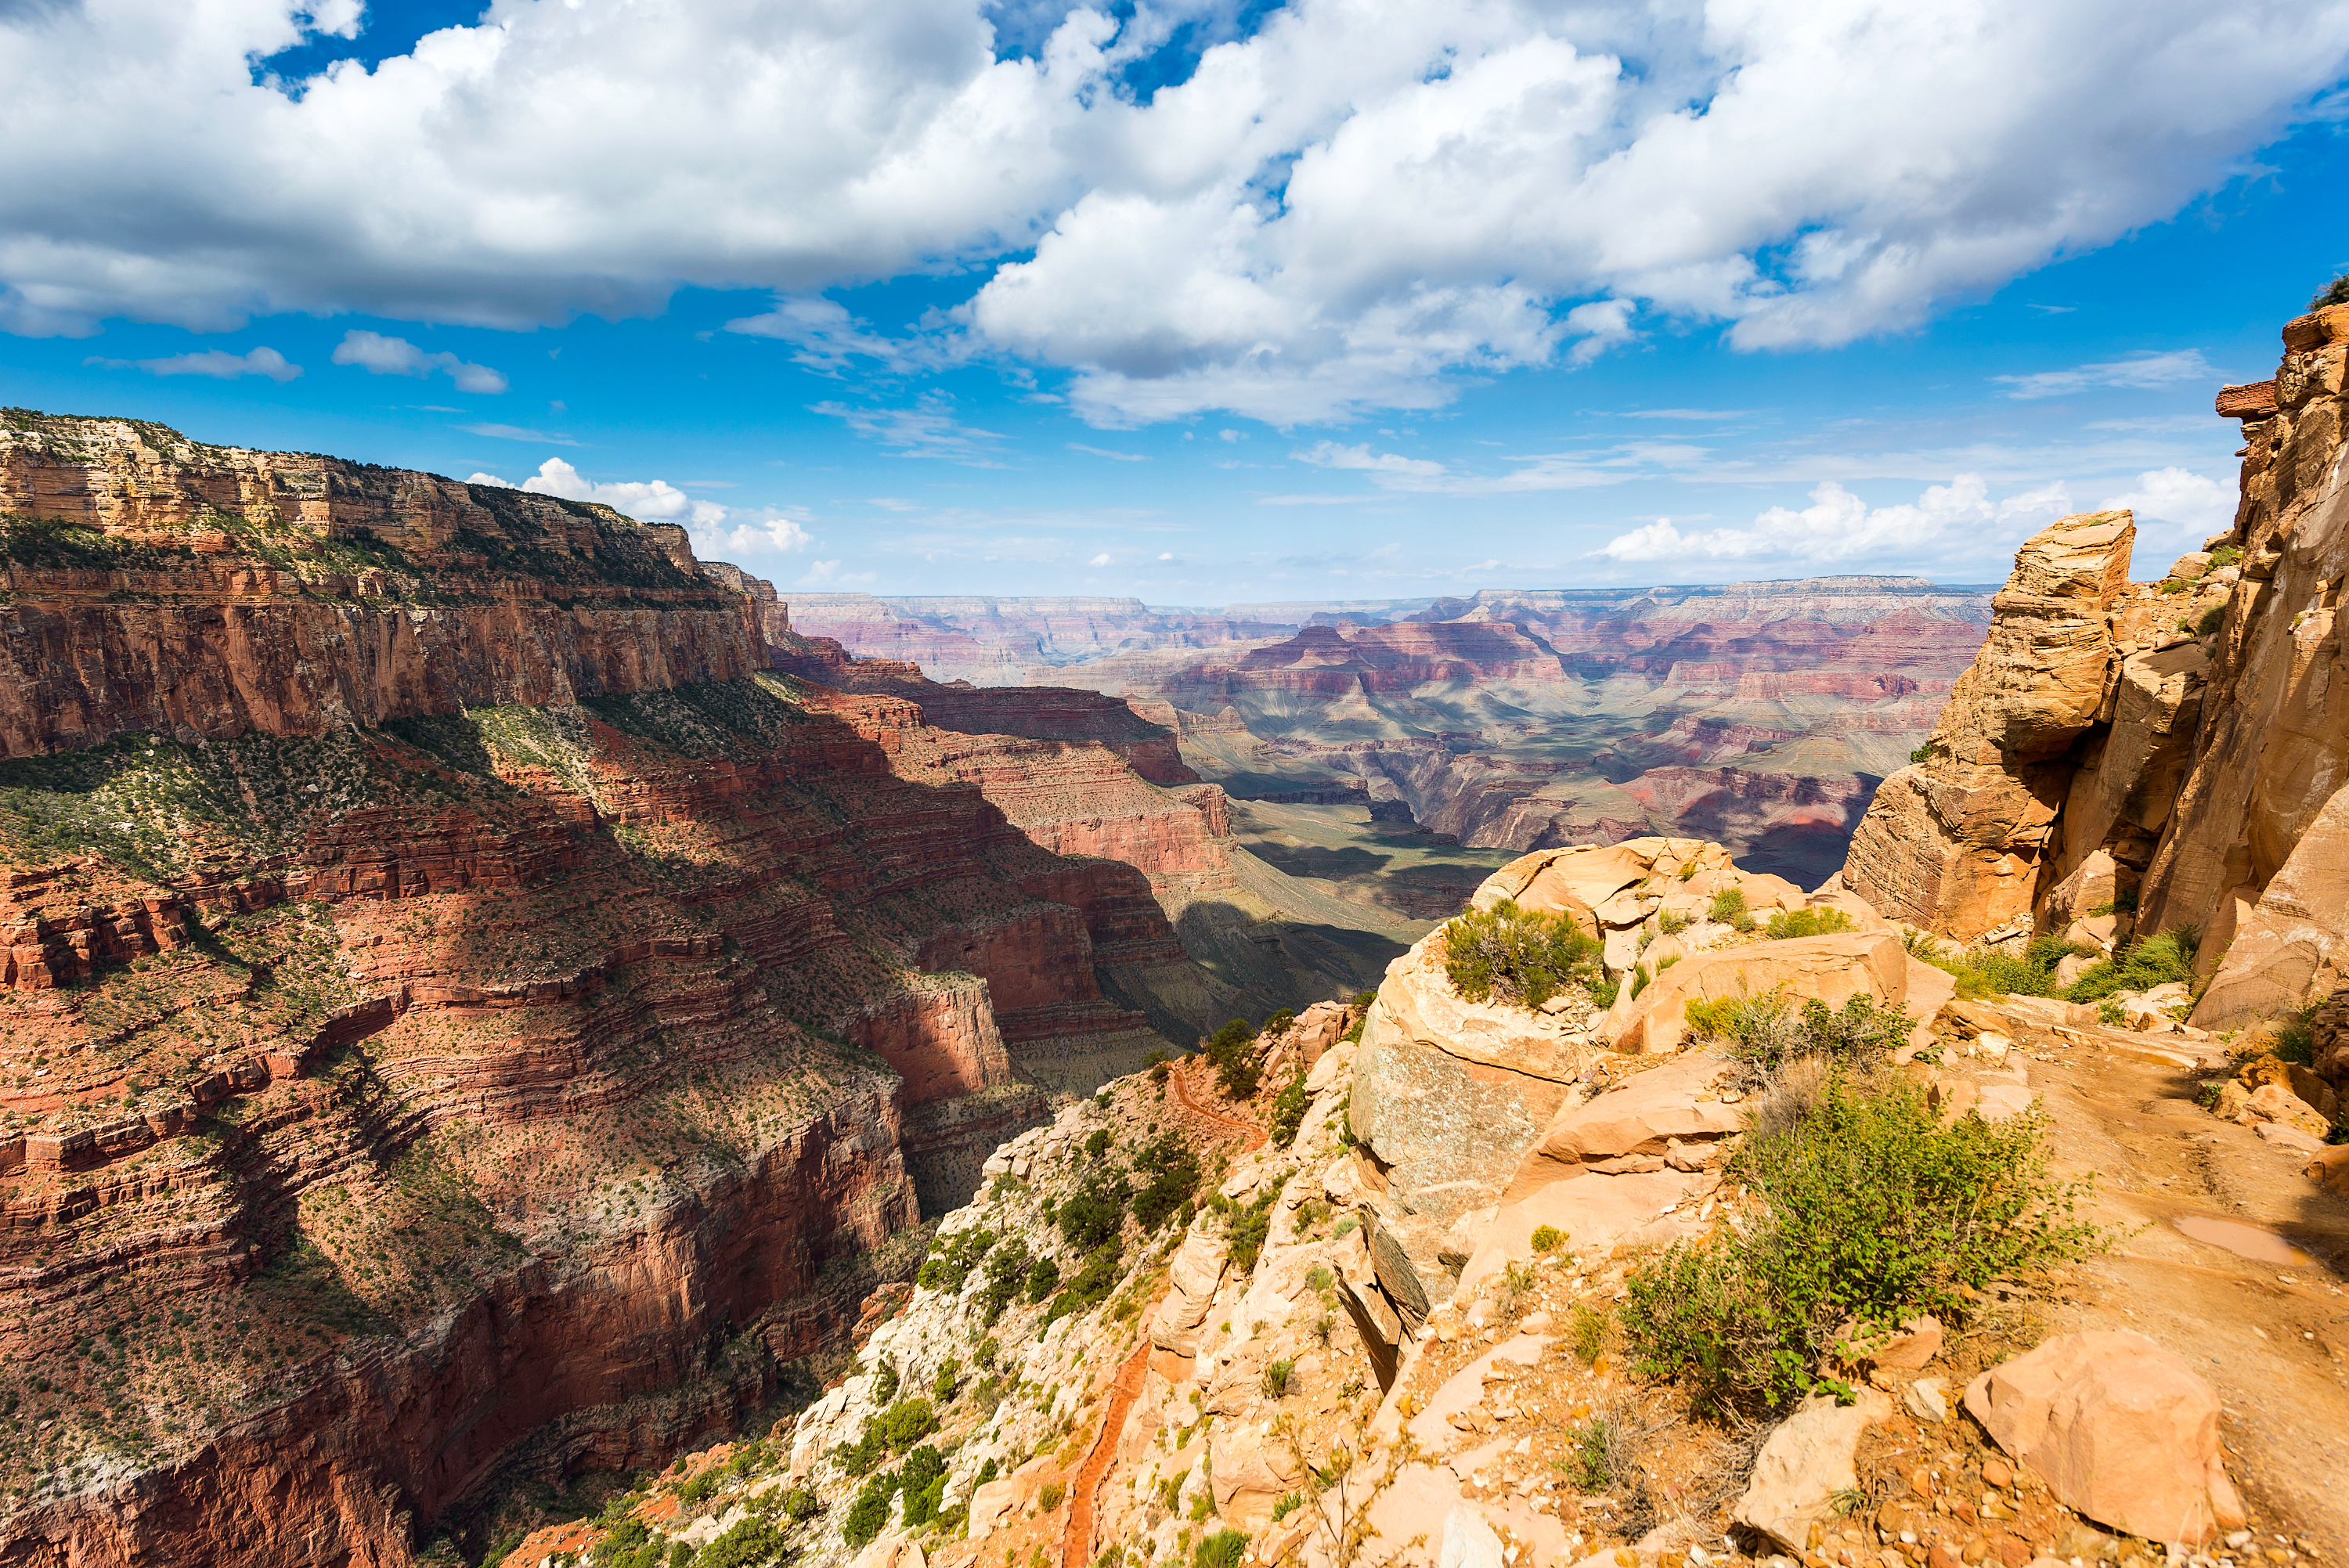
x=2273, y=1102
x=1644, y=1115
x=2120, y=1429
x=1831, y=968
x=1252, y=1469
x=1804, y=1464
x=1595, y=1213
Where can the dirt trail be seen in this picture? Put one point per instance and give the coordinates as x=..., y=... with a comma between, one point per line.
x=1256, y=1135
x=1077, y=1545
x=2272, y=1337
x=1076, y=1542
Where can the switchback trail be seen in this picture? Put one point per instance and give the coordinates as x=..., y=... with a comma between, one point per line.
x=1256, y=1135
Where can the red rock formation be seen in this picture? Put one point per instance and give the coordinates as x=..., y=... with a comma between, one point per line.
x=418, y=1095
x=991, y=642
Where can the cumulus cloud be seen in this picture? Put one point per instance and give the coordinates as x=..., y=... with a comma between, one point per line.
x=1838, y=529
x=653, y=500
x=1343, y=205
x=2176, y=508
x=2142, y=372
x=216, y=362
x=381, y=356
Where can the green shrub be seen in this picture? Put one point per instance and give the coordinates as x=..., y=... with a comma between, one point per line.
x=885, y=1382
x=1767, y=1031
x=870, y=1512
x=1099, y=1143
x=1170, y=1170
x=1221, y=1550
x=1090, y=1286
x=1791, y=923
x=1094, y=1212
x=2334, y=293
x=1280, y=1023
x=1729, y=909
x=923, y=1482
x=2225, y=555
x=1277, y=1375
x=702, y=1488
x=905, y=1423
x=951, y=1261
x=1006, y=1268
x=1587, y=1335
x=1921, y=753
x=1518, y=955
x=1981, y=972
x=1591, y=1454
x=949, y=1382
x=2212, y=619
x=1672, y=922
x=1043, y=1279
x=1873, y=1212
x=1245, y=1229
x=1288, y=1109
x=749, y=1542
x=1288, y=1502
x=1639, y=980
x=1048, y=1497
x=2149, y=961
x=1232, y=1051
x=1546, y=1237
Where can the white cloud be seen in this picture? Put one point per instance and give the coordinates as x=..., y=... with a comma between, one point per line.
x=381, y=356
x=1101, y=559
x=2192, y=506
x=654, y=501
x=1838, y=529
x=215, y=362
x=1535, y=472
x=2141, y=372
x=828, y=574
x=1106, y=452
x=1356, y=206
x=929, y=429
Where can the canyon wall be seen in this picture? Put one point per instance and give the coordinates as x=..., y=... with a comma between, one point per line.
x=992, y=642
x=1758, y=714
x=453, y=987
x=158, y=583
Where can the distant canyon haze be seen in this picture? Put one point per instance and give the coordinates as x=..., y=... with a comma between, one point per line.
x=1758, y=715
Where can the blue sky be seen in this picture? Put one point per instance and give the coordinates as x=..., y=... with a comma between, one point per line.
x=1175, y=365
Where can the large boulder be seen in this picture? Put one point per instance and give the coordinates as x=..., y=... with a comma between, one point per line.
x=1806, y=1463
x=2120, y=1430
x=1675, y=1102
x=1192, y=1279
x=1832, y=968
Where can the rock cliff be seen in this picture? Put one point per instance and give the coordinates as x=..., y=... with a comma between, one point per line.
x=467, y=1020
x=2170, y=750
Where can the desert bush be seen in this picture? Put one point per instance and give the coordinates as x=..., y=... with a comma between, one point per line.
x=1170, y=1170
x=2334, y=293
x=1043, y=1279
x=1090, y=1286
x=1729, y=909
x=1232, y=1051
x=1873, y=1212
x=1246, y=1228
x=1288, y=1109
x=870, y=1512
x=1672, y=922
x=1516, y=954
x=749, y=1542
x=1765, y=1032
x=951, y=1261
x=1985, y=972
x=1048, y=1498
x=1547, y=1237
x=1277, y=1375
x=1094, y=1212
x=1792, y=923
x=1006, y=1270
x=1586, y=1334
x=1223, y=1549
x=923, y=1482
x=2149, y=961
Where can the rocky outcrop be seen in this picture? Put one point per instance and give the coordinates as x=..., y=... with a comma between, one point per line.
x=1956, y=844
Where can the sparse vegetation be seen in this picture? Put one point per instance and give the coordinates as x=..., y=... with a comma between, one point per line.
x=2141, y=965
x=2334, y=293
x=1873, y=1212
x=1767, y=1031
x=1729, y=909
x=1518, y=956
x=1792, y=923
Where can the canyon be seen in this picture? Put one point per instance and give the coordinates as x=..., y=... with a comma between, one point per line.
x=1761, y=713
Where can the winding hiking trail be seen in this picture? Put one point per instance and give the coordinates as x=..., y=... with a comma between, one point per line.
x=1076, y=1542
